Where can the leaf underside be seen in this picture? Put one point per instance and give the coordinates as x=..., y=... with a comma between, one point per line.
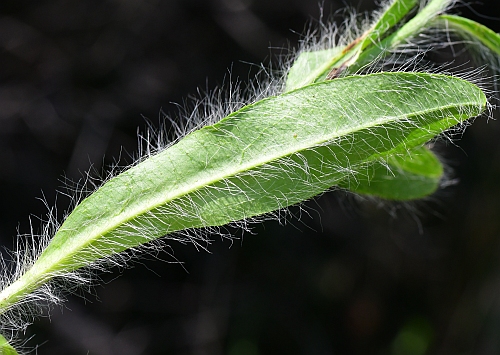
x=269, y=155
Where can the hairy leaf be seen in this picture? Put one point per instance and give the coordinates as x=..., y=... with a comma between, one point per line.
x=413, y=27
x=472, y=29
x=349, y=54
x=266, y=156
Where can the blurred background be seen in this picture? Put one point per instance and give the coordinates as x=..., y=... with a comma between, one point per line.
x=77, y=79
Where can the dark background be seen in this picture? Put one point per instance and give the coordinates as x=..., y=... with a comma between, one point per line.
x=77, y=80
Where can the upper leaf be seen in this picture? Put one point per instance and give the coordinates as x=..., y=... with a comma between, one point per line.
x=316, y=66
x=471, y=29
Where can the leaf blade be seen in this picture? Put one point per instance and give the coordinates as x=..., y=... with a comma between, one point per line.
x=414, y=26
x=266, y=156
x=315, y=66
x=257, y=147
x=486, y=36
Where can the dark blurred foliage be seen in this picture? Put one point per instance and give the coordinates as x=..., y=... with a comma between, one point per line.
x=76, y=81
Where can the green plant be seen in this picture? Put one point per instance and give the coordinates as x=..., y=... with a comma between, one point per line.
x=334, y=121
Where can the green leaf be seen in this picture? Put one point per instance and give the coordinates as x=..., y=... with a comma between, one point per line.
x=5, y=347
x=389, y=18
x=472, y=29
x=269, y=155
x=310, y=67
x=401, y=177
x=371, y=38
x=413, y=27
